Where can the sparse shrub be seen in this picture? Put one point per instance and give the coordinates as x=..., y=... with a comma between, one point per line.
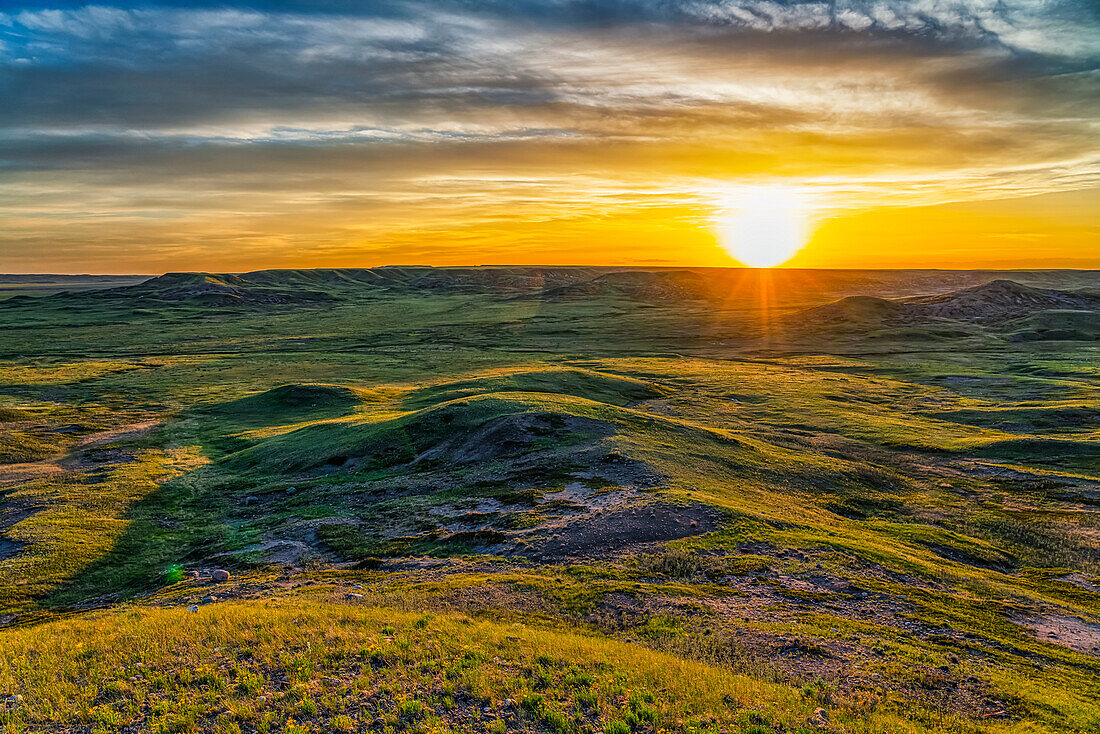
x=541, y=679
x=210, y=678
x=376, y=657
x=556, y=720
x=266, y=720
x=107, y=716
x=578, y=679
x=755, y=721
x=410, y=709
x=308, y=707
x=660, y=628
x=342, y=722
x=532, y=703
x=674, y=563
x=117, y=689
x=618, y=726
x=249, y=683
x=588, y=699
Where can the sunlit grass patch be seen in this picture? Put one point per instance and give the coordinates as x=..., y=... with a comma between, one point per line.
x=316, y=664
x=74, y=521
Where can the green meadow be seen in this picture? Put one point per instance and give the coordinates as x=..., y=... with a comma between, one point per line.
x=451, y=501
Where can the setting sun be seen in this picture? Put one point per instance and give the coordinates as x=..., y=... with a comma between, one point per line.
x=764, y=227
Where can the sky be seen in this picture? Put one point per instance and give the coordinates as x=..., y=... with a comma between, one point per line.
x=152, y=137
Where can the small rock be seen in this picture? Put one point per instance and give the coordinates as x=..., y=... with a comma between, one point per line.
x=208, y=599
x=15, y=699
x=350, y=595
x=251, y=500
x=193, y=608
x=220, y=575
x=291, y=490
x=820, y=718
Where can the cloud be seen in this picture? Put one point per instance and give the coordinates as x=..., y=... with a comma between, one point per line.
x=198, y=112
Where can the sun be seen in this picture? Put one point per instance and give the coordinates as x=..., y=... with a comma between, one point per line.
x=764, y=226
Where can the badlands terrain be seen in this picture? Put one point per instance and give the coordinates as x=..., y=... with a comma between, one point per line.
x=551, y=500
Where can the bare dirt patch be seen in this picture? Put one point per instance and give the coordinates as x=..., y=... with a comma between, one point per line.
x=86, y=453
x=120, y=433
x=607, y=532
x=1071, y=632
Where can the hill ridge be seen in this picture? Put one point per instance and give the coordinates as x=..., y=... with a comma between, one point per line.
x=996, y=302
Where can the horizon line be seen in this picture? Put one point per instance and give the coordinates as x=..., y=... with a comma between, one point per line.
x=577, y=267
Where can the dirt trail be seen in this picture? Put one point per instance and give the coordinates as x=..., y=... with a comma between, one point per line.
x=121, y=433
x=73, y=459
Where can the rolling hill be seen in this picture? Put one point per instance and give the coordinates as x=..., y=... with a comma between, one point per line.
x=552, y=500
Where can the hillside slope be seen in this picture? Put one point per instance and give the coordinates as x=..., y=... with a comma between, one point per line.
x=502, y=512
x=1030, y=314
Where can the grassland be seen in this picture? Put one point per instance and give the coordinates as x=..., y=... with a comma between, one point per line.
x=450, y=502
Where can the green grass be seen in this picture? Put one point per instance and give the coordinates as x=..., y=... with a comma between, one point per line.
x=941, y=491
x=18, y=447
x=318, y=663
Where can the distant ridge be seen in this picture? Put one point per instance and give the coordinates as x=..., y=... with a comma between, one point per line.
x=1002, y=303
x=1001, y=300
x=638, y=285
x=874, y=296
x=319, y=286
x=30, y=286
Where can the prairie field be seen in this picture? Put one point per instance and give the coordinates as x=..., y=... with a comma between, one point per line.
x=553, y=500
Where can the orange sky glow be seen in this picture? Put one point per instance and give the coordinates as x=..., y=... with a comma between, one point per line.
x=153, y=137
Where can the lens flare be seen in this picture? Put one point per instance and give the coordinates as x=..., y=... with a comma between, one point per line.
x=765, y=226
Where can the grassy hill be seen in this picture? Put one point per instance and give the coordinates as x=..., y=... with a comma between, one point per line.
x=469, y=500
